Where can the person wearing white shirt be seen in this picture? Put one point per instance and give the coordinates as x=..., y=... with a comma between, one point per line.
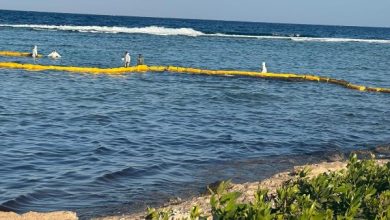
x=54, y=55
x=35, y=52
x=264, y=68
x=127, y=59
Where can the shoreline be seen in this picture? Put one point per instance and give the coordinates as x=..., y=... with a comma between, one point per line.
x=181, y=208
x=248, y=189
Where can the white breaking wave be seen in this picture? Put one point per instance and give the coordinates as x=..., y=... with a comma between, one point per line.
x=340, y=40
x=156, y=30
x=302, y=39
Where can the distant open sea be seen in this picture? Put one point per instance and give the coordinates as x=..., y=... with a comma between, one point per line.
x=102, y=145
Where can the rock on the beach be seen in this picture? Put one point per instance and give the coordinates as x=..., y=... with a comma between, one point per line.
x=60, y=215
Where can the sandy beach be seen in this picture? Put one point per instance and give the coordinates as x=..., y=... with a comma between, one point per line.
x=60, y=215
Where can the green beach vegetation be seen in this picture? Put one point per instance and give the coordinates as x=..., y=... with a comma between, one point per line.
x=361, y=191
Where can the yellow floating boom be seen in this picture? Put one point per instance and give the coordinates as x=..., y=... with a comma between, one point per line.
x=16, y=54
x=145, y=68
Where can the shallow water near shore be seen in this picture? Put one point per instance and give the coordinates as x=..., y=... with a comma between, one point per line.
x=100, y=145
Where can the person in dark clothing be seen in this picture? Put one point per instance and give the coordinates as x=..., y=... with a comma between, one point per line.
x=140, y=60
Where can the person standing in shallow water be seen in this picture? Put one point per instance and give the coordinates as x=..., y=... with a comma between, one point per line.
x=264, y=68
x=127, y=59
x=54, y=55
x=140, y=60
x=34, y=53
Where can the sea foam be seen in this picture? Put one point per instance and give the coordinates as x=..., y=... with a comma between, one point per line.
x=154, y=30
x=165, y=31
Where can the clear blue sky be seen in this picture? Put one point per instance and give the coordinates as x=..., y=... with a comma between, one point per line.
x=336, y=12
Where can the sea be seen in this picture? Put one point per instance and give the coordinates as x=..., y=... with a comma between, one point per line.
x=104, y=145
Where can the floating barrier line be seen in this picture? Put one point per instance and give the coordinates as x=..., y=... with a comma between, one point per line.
x=175, y=69
x=17, y=54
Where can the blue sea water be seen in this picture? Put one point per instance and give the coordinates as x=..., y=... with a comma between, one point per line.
x=100, y=144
